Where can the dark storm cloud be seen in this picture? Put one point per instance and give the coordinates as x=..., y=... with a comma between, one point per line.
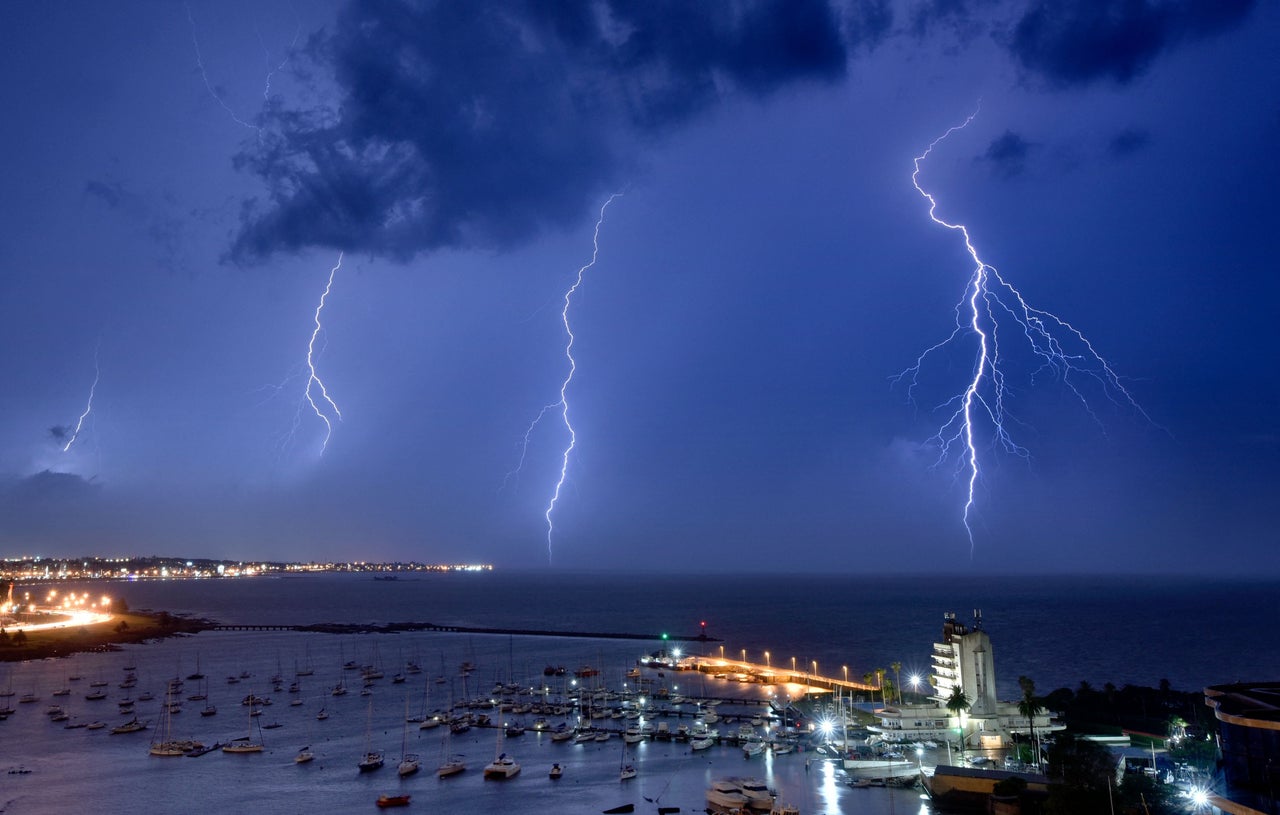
x=1070, y=42
x=1128, y=141
x=478, y=125
x=1007, y=154
x=59, y=433
x=866, y=23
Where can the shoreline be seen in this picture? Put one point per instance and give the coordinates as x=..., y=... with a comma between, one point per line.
x=128, y=628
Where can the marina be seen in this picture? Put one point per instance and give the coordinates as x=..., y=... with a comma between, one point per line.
x=304, y=756
x=584, y=708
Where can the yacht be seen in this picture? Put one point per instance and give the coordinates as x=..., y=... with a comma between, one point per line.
x=409, y=765
x=502, y=768
x=244, y=744
x=725, y=793
x=757, y=793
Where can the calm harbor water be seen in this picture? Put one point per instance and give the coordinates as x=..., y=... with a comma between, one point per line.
x=1058, y=631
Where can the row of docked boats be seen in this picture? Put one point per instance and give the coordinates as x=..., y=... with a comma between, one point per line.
x=741, y=795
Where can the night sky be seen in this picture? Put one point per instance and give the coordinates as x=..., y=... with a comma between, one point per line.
x=179, y=180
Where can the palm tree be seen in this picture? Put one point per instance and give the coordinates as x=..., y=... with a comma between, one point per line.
x=958, y=704
x=897, y=678
x=880, y=681
x=1029, y=706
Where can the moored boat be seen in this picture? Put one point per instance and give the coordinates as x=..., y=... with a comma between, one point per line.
x=502, y=768
x=880, y=767
x=131, y=726
x=725, y=793
x=387, y=801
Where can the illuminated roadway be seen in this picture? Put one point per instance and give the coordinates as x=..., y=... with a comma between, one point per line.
x=65, y=620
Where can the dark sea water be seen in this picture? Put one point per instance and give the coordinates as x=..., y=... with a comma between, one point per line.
x=1056, y=630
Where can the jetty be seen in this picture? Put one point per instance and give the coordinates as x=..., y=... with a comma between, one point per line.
x=769, y=674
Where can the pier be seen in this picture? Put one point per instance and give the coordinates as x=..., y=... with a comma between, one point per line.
x=769, y=675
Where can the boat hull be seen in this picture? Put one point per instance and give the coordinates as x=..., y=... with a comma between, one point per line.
x=880, y=768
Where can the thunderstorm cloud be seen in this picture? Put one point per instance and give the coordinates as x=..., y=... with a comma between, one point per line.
x=1069, y=42
x=479, y=125
x=482, y=125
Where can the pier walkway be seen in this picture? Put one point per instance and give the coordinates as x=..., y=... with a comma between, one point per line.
x=770, y=675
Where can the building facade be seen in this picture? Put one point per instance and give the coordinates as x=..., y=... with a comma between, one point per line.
x=963, y=659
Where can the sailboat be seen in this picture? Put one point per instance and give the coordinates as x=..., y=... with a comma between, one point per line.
x=503, y=766
x=246, y=744
x=450, y=764
x=626, y=771
x=409, y=762
x=372, y=759
x=307, y=669
x=167, y=745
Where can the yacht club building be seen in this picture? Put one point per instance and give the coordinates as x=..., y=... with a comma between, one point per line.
x=962, y=659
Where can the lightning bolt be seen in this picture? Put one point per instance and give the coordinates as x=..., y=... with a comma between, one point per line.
x=88, y=408
x=195, y=43
x=288, y=54
x=1062, y=350
x=563, y=403
x=313, y=380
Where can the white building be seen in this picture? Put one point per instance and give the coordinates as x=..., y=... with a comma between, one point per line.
x=963, y=659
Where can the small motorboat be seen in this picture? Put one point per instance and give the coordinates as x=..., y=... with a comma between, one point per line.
x=387, y=801
x=556, y=772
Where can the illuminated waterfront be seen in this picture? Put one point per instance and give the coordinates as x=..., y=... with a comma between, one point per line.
x=854, y=622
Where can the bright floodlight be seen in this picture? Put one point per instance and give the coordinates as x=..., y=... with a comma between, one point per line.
x=825, y=726
x=1199, y=797
x=675, y=652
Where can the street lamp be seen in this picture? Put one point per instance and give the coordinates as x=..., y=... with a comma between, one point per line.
x=793, y=665
x=845, y=668
x=722, y=652
x=744, y=654
x=767, y=664
x=815, y=666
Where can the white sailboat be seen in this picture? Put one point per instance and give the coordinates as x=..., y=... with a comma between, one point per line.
x=409, y=762
x=372, y=759
x=164, y=744
x=246, y=744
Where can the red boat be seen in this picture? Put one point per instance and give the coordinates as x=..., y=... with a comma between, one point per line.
x=386, y=801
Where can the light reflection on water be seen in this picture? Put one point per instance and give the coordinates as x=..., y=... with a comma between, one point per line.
x=1058, y=631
